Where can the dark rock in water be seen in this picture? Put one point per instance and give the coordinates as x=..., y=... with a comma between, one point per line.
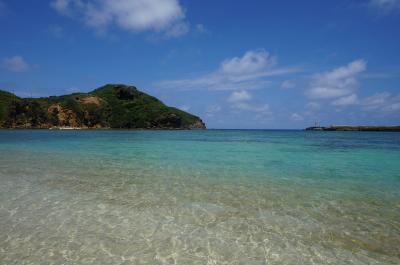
x=315, y=128
x=110, y=106
x=369, y=128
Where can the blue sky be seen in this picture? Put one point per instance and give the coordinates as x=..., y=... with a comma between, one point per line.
x=236, y=64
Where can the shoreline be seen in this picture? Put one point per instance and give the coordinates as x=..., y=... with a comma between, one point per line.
x=105, y=129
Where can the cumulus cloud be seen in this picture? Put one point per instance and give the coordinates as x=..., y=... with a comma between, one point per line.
x=339, y=82
x=241, y=101
x=383, y=101
x=165, y=16
x=339, y=87
x=377, y=100
x=346, y=101
x=63, y=6
x=239, y=96
x=16, y=64
x=238, y=73
x=251, y=62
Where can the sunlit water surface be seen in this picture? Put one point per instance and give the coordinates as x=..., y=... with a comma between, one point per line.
x=199, y=197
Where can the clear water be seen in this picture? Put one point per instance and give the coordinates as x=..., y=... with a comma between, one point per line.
x=199, y=197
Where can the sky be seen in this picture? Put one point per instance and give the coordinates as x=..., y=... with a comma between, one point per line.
x=253, y=64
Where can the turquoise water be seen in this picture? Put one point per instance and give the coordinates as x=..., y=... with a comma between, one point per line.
x=199, y=197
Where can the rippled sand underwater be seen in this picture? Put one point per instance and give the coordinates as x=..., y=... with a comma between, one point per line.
x=212, y=197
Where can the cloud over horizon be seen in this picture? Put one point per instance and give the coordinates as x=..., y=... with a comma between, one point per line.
x=338, y=82
x=383, y=101
x=237, y=73
x=339, y=89
x=241, y=101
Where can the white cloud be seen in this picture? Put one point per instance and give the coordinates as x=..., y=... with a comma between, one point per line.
x=16, y=64
x=241, y=101
x=63, y=6
x=239, y=73
x=251, y=62
x=381, y=101
x=134, y=15
x=287, y=84
x=339, y=82
x=385, y=6
x=339, y=86
x=239, y=96
x=346, y=100
x=296, y=117
x=376, y=101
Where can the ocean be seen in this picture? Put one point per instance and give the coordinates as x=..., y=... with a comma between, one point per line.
x=199, y=197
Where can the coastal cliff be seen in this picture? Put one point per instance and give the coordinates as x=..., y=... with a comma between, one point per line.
x=110, y=106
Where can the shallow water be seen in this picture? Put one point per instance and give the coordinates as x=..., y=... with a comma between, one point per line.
x=199, y=197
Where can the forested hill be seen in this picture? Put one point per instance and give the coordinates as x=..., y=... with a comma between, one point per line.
x=110, y=106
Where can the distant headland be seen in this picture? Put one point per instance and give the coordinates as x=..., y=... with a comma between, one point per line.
x=370, y=128
x=109, y=106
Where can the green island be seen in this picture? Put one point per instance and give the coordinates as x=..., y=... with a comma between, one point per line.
x=109, y=106
x=369, y=128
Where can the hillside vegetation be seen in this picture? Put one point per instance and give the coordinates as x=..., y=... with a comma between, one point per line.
x=110, y=106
